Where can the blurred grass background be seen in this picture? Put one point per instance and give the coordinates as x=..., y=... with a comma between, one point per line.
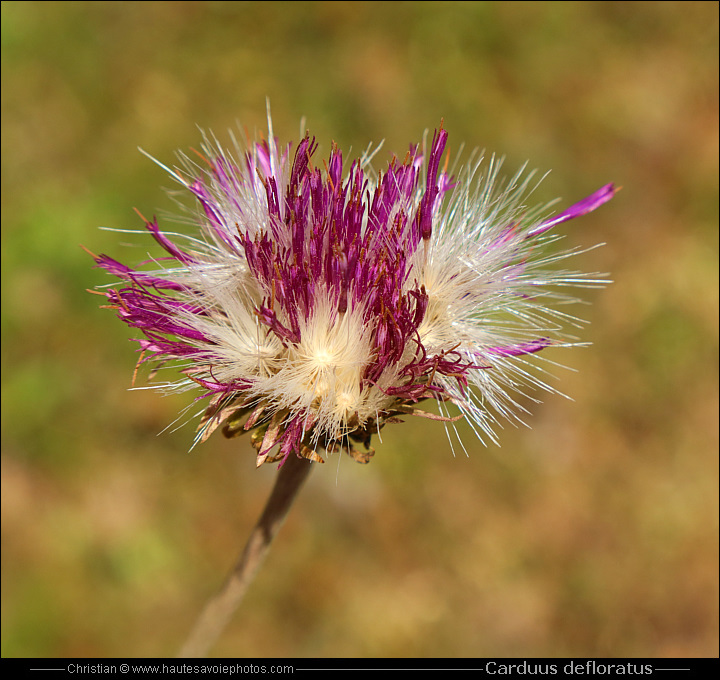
x=595, y=533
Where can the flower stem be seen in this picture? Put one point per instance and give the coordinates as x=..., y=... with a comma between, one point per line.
x=219, y=610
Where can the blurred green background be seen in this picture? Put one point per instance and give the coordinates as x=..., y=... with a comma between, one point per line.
x=595, y=533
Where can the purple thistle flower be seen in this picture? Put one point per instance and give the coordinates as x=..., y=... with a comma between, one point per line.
x=318, y=306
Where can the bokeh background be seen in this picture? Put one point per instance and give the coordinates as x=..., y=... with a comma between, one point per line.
x=595, y=533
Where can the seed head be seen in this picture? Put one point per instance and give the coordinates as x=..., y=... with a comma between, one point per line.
x=316, y=305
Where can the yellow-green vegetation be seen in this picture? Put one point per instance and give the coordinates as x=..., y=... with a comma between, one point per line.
x=592, y=534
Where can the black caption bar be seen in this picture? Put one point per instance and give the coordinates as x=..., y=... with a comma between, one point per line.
x=234, y=668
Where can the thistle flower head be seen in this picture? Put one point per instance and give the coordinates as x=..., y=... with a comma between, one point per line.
x=321, y=301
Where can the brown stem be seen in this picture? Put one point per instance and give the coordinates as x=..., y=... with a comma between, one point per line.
x=219, y=610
